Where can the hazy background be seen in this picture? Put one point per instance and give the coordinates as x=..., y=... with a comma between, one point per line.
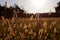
x=30, y=7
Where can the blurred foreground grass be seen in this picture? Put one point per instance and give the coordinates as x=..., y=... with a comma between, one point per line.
x=30, y=29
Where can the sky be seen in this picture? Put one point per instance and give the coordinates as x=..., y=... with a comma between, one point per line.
x=33, y=6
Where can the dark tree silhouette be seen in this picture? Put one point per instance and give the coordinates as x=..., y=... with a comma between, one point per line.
x=58, y=10
x=8, y=12
x=20, y=11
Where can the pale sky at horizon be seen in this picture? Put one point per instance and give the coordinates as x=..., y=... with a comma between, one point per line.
x=30, y=7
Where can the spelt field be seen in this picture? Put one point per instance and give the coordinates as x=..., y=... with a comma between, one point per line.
x=30, y=29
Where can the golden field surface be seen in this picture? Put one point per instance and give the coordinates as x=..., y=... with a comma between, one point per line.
x=30, y=29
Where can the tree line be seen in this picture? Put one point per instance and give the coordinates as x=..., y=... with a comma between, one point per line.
x=7, y=12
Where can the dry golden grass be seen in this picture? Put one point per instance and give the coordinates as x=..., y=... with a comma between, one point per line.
x=26, y=29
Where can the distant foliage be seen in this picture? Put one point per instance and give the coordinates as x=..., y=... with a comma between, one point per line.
x=20, y=12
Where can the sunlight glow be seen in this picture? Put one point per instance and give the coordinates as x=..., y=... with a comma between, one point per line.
x=38, y=3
